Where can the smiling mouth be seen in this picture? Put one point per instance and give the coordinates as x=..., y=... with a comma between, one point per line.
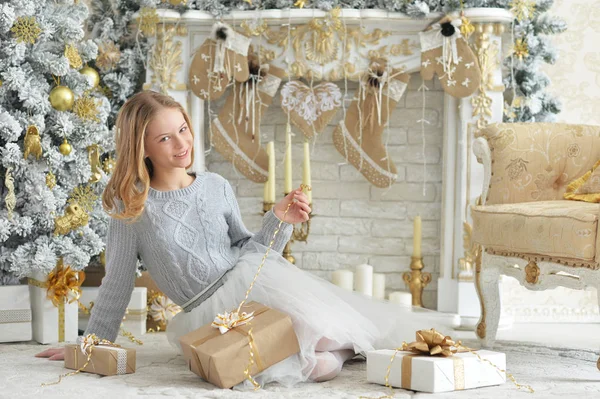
x=183, y=154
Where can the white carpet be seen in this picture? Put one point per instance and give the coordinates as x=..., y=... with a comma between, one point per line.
x=552, y=372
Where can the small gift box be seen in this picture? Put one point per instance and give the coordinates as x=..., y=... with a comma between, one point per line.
x=160, y=308
x=15, y=313
x=221, y=355
x=432, y=364
x=54, y=304
x=104, y=359
x=135, y=315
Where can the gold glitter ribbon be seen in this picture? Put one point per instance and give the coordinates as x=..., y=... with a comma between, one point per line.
x=433, y=343
x=87, y=346
x=63, y=286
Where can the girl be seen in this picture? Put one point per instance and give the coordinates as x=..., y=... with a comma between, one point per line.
x=188, y=230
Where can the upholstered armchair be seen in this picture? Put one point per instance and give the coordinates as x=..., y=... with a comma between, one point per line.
x=525, y=227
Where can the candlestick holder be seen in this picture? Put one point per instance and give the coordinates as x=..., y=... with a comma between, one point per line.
x=416, y=280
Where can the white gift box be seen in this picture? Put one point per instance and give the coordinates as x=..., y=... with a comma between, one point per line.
x=135, y=316
x=15, y=313
x=436, y=374
x=51, y=324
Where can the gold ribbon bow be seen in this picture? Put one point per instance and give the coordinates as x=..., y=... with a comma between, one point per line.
x=64, y=284
x=230, y=320
x=433, y=343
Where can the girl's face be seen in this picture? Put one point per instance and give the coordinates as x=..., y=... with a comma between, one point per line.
x=168, y=141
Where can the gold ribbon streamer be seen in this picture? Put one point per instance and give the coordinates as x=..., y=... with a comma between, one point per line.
x=63, y=286
x=237, y=319
x=433, y=343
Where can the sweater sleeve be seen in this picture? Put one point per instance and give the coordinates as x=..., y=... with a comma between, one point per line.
x=118, y=283
x=239, y=234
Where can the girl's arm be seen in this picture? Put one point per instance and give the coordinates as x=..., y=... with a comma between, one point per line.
x=239, y=234
x=117, y=285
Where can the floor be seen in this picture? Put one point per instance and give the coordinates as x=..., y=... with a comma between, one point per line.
x=558, y=361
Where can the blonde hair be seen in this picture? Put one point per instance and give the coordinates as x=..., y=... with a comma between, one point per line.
x=130, y=180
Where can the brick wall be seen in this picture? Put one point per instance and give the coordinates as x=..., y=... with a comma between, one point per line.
x=354, y=221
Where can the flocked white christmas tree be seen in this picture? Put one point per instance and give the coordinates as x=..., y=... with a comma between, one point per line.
x=53, y=132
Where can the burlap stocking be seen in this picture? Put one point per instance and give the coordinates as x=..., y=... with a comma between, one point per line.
x=310, y=110
x=445, y=52
x=236, y=130
x=222, y=56
x=358, y=137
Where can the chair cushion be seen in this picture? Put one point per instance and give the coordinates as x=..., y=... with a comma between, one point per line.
x=587, y=187
x=559, y=229
x=536, y=161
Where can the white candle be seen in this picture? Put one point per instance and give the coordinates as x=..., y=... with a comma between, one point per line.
x=343, y=278
x=271, y=149
x=379, y=286
x=287, y=184
x=417, y=238
x=306, y=180
x=401, y=298
x=363, y=281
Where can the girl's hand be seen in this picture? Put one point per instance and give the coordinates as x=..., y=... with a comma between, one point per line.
x=53, y=354
x=299, y=209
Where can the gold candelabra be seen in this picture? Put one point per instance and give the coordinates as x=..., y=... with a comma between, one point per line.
x=416, y=280
x=298, y=234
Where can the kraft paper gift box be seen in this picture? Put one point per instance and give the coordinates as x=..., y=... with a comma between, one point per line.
x=105, y=360
x=50, y=323
x=135, y=316
x=436, y=374
x=222, y=358
x=15, y=313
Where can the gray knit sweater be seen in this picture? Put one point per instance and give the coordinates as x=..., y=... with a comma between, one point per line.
x=187, y=238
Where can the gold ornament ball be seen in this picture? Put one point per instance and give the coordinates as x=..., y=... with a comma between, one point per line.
x=92, y=73
x=62, y=98
x=65, y=148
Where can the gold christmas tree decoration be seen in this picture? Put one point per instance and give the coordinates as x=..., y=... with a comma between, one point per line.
x=147, y=21
x=75, y=216
x=109, y=55
x=83, y=196
x=522, y=9
x=521, y=49
x=62, y=98
x=32, y=142
x=50, y=180
x=299, y=3
x=92, y=73
x=94, y=158
x=109, y=165
x=26, y=29
x=65, y=148
x=73, y=56
x=86, y=108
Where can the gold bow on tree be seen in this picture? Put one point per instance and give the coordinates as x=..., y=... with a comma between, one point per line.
x=64, y=284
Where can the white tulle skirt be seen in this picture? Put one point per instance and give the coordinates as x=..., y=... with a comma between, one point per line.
x=318, y=309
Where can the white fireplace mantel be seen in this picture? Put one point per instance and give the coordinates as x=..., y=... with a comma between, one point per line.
x=359, y=33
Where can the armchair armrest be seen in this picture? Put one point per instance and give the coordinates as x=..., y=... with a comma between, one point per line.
x=481, y=149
